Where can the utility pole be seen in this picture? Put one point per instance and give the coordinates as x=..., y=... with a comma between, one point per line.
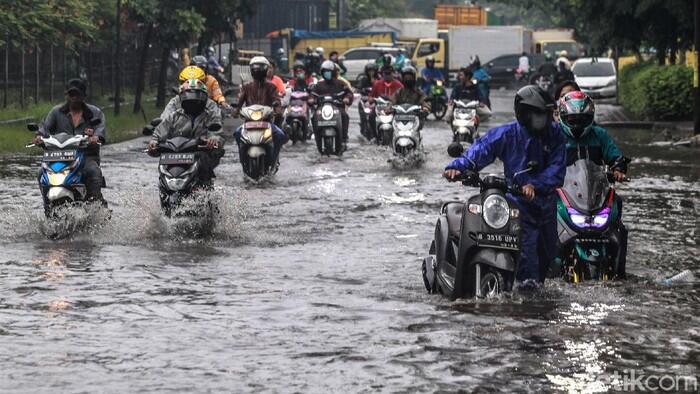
x=117, y=58
x=697, y=68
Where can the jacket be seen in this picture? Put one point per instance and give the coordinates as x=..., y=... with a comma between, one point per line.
x=178, y=123
x=484, y=78
x=464, y=92
x=59, y=121
x=380, y=88
x=214, y=90
x=430, y=75
x=515, y=147
x=333, y=87
x=410, y=96
x=174, y=104
x=596, y=146
x=264, y=93
x=301, y=85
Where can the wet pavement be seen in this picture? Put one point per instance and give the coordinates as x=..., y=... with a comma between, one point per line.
x=311, y=283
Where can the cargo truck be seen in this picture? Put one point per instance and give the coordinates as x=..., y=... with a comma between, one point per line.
x=448, y=15
x=553, y=41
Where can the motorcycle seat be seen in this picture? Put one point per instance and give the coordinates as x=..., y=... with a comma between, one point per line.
x=454, y=211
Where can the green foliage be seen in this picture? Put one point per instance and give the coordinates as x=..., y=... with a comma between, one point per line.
x=657, y=92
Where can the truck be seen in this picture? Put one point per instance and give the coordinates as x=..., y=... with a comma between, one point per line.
x=448, y=15
x=553, y=41
x=486, y=42
x=406, y=29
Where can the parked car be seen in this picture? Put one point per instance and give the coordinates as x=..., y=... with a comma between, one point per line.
x=356, y=59
x=596, y=76
x=502, y=69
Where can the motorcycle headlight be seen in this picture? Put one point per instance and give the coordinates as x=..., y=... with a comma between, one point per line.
x=401, y=126
x=256, y=115
x=496, y=211
x=368, y=110
x=176, y=183
x=327, y=112
x=577, y=218
x=385, y=118
x=57, y=178
x=463, y=115
x=601, y=218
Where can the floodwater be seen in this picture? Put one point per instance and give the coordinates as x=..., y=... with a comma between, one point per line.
x=311, y=283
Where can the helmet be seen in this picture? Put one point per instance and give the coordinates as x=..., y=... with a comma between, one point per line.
x=200, y=61
x=430, y=62
x=371, y=66
x=210, y=51
x=533, y=108
x=475, y=62
x=576, y=113
x=405, y=72
x=408, y=70
x=258, y=68
x=547, y=56
x=193, y=96
x=329, y=67
x=320, y=51
x=280, y=51
x=192, y=72
x=299, y=65
x=564, y=53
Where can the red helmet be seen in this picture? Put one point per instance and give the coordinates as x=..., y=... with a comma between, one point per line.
x=576, y=114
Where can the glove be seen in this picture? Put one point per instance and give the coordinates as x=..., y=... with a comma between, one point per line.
x=152, y=146
x=37, y=140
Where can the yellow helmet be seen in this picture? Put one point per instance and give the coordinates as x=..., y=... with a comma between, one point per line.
x=192, y=72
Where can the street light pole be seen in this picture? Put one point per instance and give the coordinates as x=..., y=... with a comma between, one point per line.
x=697, y=68
x=117, y=59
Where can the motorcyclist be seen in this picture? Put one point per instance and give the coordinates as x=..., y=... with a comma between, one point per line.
x=533, y=137
x=334, y=58
x=430, y=74
x=212, y=62
x=262, y=92
x=187, y=73
x=547, y=68
x=321, y=57
x=410, y=93
x=331, y=85
x=301, y=81
x=564, y=58
x=192, y=120
x=74, y=116
x=564, y=88
x=311, y=61
x=465, y=91
x=585, y=139
x=483, y=79
x=210, y=81
x=563, y=74
x=276, y=80
x=384, y=60
x=401, y=59
x=523, y=64
x=282, y=61
x=368, y=78
x=385, y=87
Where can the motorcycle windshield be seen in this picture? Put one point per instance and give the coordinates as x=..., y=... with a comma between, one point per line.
x=586, y=186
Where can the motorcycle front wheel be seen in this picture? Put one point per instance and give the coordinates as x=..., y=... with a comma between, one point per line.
x=492, y=284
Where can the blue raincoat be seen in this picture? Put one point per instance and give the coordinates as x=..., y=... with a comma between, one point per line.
x=429, y=77
x=515, y=147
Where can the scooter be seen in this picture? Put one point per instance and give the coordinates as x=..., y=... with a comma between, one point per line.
x=364, y=108
x=406, y=125
x=296, y=117
x=465, y=121
x=328, y=124
x=62, y=168
x=477, y=243
x=180, y=169
x=438, y=99
x=256, y=145
x=385, y=119
x=592, y=238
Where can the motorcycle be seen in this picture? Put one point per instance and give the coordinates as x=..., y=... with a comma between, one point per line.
x=406, y=125
x=476, y=244
x=328, y=124
x=465, y=121
x=256, y=145
x=438, y=99
x=179, y=167
x=385, y=119
x=296, y=117
x=592, y=238
x=364, y=108
x=61, y=168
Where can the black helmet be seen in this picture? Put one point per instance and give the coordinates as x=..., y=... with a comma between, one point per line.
x=409, y=83
x=534, y=108
x=408, y=70
x=299, y=65
x=200, y=61
x=210, y=51
x=430, y=62
x=371, y=66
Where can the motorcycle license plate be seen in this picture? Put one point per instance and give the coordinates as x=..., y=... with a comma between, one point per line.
x=176, y=158
x=257, y=125
x=59, y=155
x=498, y=241
x=326, y=123
x=404, y=118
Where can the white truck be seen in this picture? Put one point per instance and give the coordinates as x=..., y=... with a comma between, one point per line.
x=486, y=42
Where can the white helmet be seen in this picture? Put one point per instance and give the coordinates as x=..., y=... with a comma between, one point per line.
x=564, y=53
x=319, y=50
x=260, y=60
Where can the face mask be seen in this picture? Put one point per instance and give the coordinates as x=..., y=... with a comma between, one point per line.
x=327, y=75
x=538, y=122
x=409, y=83
x=193, y=107
x=301, y=75
x=388, y=77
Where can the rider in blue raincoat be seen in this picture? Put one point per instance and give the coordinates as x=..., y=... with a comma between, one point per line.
x=533, y=137
x=430, y=74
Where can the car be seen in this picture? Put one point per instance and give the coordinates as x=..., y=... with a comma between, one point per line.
x=356, y=59
x=596, y=76
x=502, y=68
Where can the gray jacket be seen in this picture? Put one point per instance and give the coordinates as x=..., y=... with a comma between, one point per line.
x=174, y=104
x=178, y=123
x=59, y=121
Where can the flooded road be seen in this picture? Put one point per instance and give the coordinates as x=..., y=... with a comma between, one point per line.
x=311, y=283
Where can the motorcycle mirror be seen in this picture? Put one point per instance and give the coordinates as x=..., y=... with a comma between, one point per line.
x=214, y=127
x=155, y=122
x=95, y=122
x=533, y=165
x=455, y=149
x=33, y=127
x=147, y=130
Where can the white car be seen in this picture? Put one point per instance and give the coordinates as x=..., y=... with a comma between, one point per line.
x=596, y=76
x=356, y=59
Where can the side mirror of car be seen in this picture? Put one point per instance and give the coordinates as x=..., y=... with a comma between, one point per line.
x=455, y=149
x=214, y=127
x=33, y=127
